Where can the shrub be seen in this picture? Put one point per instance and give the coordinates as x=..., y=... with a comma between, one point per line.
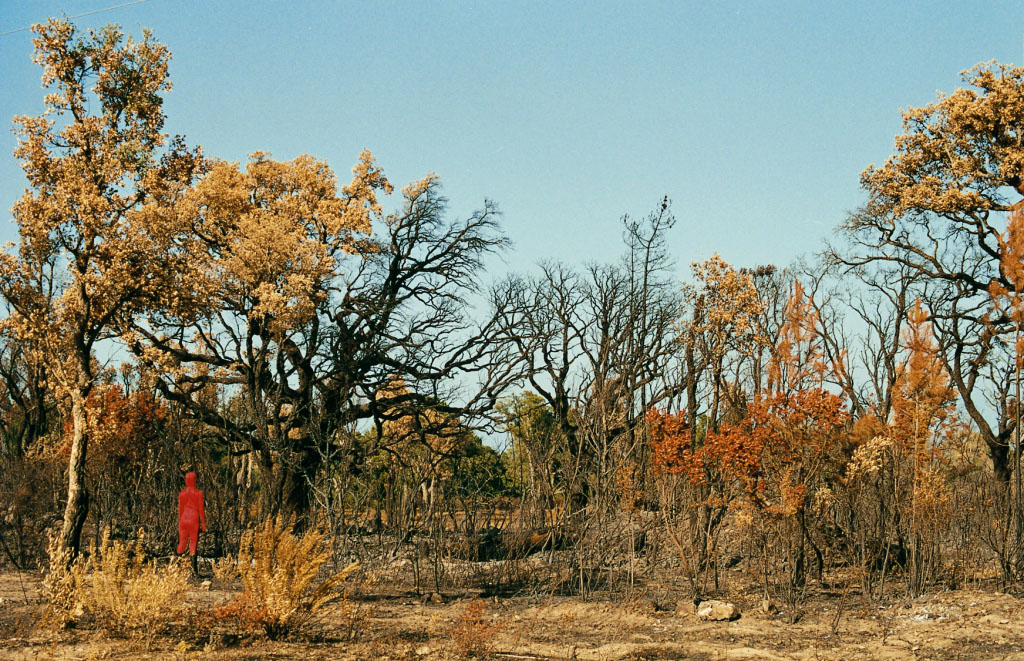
x=281, y=584
x=472, y=634
x=125, y=592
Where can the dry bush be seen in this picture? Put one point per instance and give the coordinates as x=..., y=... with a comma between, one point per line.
x=62, y=586
x=126, y=593
x=472, y=633
x=122, y=591
x=224, y=569
x=281, y=585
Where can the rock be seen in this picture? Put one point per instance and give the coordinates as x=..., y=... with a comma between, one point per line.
x=686, y=606
x=717, y=611
x=206, y=585
x=423, y=651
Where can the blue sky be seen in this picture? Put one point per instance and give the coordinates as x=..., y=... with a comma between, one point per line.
x=755, y=118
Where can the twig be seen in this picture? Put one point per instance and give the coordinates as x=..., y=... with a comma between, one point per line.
x=839, y=609
x=24, y=592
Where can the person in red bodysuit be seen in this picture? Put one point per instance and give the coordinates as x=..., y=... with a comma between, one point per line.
x=191, y=513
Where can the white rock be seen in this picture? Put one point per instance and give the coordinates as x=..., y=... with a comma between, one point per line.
x=717, y=611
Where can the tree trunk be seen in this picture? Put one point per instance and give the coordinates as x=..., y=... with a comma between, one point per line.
x=77, y=506
x=298, y=483
x=1000, y=453
x=691, y=393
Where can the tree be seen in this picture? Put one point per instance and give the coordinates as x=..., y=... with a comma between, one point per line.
x=922, y=406
x=597, y=346
x=936, y=208
x=798, y=357
x=264, y=252
x=95, y=241
x=311, y=303
x=724, y=311
x=533, y=460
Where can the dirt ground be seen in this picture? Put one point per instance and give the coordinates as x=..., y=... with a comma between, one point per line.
x=965, y=624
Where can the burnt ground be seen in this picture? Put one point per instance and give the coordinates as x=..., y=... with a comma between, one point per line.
x=961, y=624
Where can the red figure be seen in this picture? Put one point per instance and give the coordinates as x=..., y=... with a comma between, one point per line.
x=191, y=513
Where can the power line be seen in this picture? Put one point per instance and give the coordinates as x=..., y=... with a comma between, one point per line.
x=88, y=13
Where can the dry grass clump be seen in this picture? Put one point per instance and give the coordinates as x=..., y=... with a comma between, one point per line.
x=115, y=585
x=282, y=588
x=126, y=593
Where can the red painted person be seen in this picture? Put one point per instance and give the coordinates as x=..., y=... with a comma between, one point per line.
x=191, y=513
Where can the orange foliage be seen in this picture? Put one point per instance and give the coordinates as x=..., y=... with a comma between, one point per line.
x=798, y=360
x=1011, y=267
x=121, y=427
x=922, y=399
x=783, y=445
x=671, y=445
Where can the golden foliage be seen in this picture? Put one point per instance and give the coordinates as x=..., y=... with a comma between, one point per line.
x=267, y=239
x=96, y=192
x=868, y=458
x=116, y=586
x=282, y=588
x=726, y=306
x=126, y=593
x=956, y=154
x=932, y=502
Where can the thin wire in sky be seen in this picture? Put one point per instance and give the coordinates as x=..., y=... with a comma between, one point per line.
x=88, y=13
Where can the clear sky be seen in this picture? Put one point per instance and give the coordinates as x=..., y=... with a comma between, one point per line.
x=755, y=118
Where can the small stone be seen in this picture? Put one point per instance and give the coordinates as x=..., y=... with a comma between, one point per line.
x=717, y=611
x=423, y=651
x=206, y=585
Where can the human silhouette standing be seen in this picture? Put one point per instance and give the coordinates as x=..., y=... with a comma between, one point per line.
x=191, y=513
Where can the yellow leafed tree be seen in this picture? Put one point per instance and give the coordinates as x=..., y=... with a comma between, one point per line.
x=725, y=306
x=95, y=237
x=266, y=246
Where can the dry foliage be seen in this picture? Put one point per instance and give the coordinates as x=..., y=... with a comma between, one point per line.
x=125, y=592
x=115, y=585
x=473, y=632
x=62, y=587
x=282, y=588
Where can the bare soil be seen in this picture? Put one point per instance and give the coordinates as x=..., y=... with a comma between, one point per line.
x=962, y=624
